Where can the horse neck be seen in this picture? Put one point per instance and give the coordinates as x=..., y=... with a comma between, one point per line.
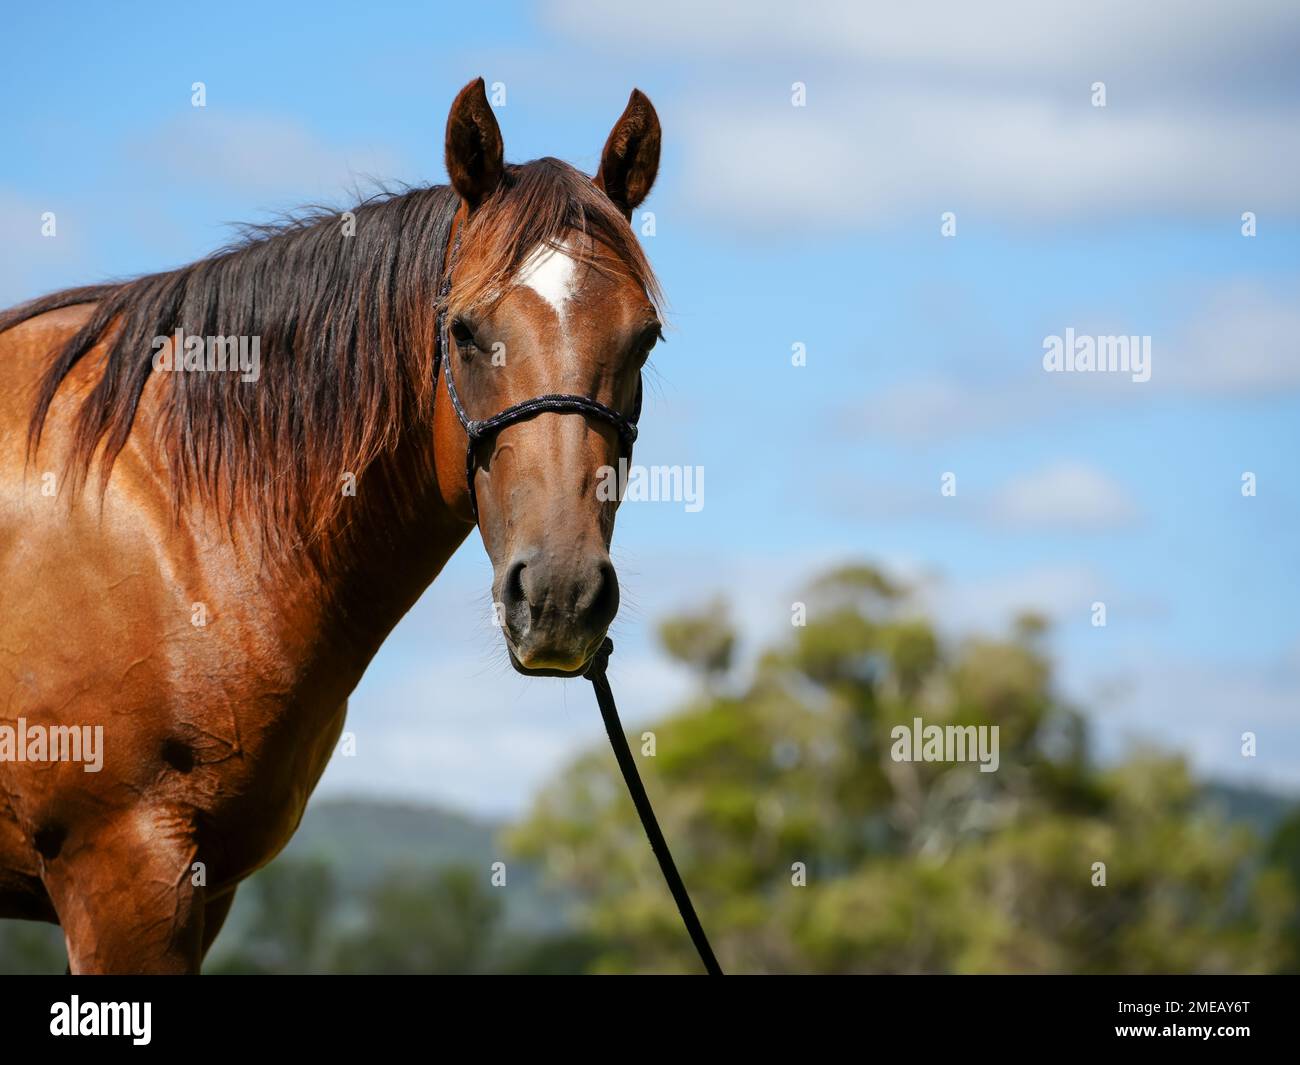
x=348, y=584
x=377, y=559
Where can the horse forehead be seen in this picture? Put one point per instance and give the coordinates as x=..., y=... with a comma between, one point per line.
x=552, y=273
x=570, y=297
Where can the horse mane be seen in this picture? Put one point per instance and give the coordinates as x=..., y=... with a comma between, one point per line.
x=347, y=340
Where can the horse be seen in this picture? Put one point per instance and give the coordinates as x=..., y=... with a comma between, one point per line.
x=203, y=543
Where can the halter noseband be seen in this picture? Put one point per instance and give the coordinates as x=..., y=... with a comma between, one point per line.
x=480, y=429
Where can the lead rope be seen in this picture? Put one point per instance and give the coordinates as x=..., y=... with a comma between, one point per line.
x=623, y=754
x=564, y=404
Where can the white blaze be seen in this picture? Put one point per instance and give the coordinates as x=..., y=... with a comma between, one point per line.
x=552, y=274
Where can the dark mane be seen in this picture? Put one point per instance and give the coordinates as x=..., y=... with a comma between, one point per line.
x=346, y=328
x=346, y=355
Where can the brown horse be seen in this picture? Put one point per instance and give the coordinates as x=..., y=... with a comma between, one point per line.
x=202, y=545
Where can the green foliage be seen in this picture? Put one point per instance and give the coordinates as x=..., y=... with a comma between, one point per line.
x=911, y=866
x=1283, y=858
x=30, y=948
x=409, y=921
x=704, y=641
x=416, y=927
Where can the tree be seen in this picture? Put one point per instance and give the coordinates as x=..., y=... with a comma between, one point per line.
x=292, y=904
x=1048, y=864
x=28, y=947
x=422, y=923
x=703, y=641
x=296, y=918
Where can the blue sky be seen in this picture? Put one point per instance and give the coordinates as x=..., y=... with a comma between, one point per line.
x=819, y=225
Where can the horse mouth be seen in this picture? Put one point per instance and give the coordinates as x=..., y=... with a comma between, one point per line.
x=549, y=671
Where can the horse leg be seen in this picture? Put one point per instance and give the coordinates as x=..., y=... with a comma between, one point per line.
x=126, y=897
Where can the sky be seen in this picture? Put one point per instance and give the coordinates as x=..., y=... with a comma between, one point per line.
x=774, y=226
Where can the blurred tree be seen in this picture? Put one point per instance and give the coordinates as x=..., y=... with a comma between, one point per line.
x=295, y=919
x=292, y=904
x=704, y=641
x=911, y=866
x=30, y=947
x=417, y=923
x=1283, y=857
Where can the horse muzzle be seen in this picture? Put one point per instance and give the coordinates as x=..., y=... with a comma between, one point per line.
x=555, y=613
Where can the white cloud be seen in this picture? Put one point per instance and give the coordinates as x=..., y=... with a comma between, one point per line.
x=987, y=603
x=1007, y=38
x=1238, y=339
x=1202, y=709
x=1243, y=341
x=983, y=108
x=261, y=154
x=1068, y=496
x=920, y=410
x=434, y=726
x=864, y=156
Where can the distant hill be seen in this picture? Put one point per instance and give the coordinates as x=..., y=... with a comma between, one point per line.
x=360, y=838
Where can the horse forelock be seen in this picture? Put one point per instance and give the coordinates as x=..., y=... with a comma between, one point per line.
x=544, y=205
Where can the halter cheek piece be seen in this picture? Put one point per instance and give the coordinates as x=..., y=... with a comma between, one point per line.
x=479, y=429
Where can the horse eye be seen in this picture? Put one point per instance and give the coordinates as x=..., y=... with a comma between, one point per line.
x=647, y=341
x=462, y=333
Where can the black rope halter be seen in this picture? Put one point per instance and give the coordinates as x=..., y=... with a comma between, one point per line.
x=478, y=430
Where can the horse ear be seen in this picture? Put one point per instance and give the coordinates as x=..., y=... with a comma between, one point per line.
x=475, y=154
x=630, y=161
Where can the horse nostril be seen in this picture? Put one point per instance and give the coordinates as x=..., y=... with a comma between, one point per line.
x=514, y=599
x=602, y=602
